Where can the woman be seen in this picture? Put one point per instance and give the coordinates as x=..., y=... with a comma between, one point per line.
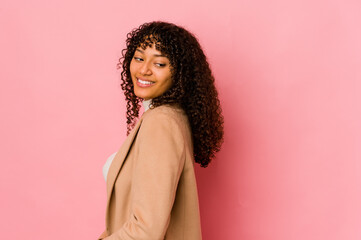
x=151, y=186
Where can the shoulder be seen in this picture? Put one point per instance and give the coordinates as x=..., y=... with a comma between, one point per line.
x=164, y=118
x=165, y=113
x=164, y=127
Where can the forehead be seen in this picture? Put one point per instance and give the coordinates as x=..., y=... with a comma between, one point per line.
x=150, y=51
x=152, y=48
x=150, y=41
x=156, y=45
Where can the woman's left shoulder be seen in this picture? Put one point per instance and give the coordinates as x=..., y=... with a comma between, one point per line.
x=167, y=110
x=165, y=119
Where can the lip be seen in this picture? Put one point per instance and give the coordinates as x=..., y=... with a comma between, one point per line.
x=144, y=85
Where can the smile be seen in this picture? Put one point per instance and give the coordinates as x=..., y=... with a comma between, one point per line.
x=144, y=83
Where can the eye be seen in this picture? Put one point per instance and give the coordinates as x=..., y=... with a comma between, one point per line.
x=138, y=59
x=160, y=64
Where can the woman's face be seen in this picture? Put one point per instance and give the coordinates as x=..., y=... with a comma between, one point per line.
x=151, y=73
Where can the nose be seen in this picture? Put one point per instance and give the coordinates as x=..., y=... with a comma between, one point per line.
x=144, y=69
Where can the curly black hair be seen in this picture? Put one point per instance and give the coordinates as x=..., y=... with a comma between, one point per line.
x=193, y=85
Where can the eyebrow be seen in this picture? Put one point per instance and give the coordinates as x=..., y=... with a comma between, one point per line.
x=156, y=55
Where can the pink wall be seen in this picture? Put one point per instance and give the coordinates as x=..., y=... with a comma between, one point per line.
x=288, y=74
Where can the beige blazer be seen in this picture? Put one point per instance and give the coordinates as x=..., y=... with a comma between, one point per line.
x=151, y=185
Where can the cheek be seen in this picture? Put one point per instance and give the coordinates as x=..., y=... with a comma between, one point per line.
x=168, y=83
x=131, y=67
x=170, y=79
x=165, y=80
x=167, y=77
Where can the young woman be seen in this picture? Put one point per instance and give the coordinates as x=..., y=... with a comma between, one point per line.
x=151, y=185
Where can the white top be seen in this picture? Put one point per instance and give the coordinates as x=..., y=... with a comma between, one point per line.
x=146, y=104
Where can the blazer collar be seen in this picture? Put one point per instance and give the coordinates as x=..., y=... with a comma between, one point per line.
x=119, y=158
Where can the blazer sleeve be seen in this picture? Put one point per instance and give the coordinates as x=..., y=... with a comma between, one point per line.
x=159, y=163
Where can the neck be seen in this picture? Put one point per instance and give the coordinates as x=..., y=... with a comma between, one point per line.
x=146, y=104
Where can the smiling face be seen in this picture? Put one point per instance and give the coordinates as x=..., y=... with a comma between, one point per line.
x=151, y=73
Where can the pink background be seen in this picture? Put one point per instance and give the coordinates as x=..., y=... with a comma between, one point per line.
x=288, y=74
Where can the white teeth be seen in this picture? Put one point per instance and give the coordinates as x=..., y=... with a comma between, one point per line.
x=144, y=82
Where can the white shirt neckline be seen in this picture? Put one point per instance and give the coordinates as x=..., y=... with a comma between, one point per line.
x=146, y=104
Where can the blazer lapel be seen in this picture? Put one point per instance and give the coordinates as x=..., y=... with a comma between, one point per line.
x=118, y=161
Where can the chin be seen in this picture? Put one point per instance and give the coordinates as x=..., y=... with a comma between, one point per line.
x=143, y=96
